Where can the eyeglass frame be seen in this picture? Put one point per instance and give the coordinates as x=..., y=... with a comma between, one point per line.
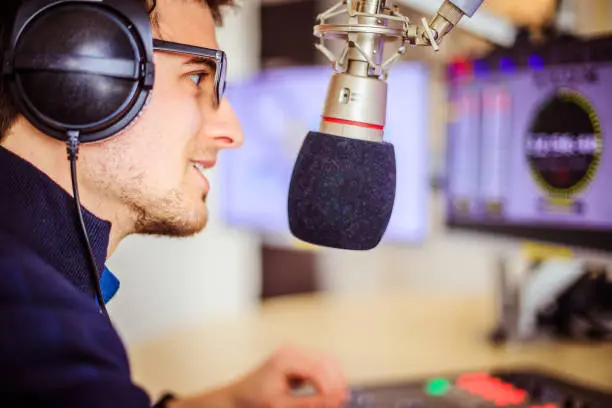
x=219, y=56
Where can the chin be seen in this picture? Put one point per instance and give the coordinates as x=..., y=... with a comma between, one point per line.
x=184, y=223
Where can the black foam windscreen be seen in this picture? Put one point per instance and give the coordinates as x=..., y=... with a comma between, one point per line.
x=342, y=191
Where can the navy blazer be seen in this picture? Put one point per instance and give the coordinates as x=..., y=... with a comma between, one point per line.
x=56, y=348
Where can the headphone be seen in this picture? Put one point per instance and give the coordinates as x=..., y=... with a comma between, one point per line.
x=80, y=67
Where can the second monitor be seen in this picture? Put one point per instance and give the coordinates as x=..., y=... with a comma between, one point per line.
x=529, y=151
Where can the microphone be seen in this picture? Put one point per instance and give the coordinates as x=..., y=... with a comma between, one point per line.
x=343, y=182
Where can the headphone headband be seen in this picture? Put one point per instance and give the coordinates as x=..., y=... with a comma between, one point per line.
x=65, y=74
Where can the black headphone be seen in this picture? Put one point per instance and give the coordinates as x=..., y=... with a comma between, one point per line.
x=82, y=66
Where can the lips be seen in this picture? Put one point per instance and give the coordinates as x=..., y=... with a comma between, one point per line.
x=206, y=164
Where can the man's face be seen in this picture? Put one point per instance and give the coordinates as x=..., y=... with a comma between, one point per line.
x=149, y=170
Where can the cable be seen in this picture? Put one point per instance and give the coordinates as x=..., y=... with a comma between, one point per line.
x=73, y=154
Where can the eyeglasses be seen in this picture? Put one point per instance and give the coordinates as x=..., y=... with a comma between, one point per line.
x=217, y=56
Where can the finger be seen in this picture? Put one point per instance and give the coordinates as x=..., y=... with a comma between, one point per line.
x=314, y=371
x=323, y=373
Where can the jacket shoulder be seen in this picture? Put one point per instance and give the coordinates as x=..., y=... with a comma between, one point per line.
x=59, y=350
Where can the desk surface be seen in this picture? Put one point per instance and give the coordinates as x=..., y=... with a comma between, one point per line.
x=375, y=338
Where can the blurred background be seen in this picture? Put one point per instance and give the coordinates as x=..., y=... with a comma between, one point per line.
x=277, y=84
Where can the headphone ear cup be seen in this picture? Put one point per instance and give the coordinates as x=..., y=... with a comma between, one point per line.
x=80, y=67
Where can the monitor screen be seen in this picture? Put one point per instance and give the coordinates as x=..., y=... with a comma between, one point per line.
x=279, y=107
x=530, y=148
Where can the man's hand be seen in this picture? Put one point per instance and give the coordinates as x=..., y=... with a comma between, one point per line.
x=271, y=385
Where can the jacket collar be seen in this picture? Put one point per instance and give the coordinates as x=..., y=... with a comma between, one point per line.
x=38, y=212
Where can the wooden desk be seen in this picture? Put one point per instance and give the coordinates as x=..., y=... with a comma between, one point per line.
x=375, y=338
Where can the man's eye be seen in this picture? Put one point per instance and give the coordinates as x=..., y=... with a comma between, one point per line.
x=198, y=77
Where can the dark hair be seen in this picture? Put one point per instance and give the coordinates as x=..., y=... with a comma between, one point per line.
x=8, y=8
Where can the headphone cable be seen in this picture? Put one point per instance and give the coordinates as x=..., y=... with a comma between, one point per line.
x=73, y=143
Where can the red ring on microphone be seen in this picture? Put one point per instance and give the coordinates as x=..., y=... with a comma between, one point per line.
x=352, y=123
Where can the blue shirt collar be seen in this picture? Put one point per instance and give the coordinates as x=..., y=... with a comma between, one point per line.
x=109, y=285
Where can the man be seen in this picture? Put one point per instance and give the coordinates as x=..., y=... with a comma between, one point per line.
x=56, y=349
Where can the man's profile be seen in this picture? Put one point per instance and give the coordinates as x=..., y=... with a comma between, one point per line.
x=147, y=176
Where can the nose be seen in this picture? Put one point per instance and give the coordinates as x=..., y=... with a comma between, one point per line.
x=223, y=127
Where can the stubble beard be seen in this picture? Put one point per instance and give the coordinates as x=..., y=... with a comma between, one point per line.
x=171, y=216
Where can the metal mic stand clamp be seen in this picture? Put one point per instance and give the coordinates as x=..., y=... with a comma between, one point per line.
x=371, y=23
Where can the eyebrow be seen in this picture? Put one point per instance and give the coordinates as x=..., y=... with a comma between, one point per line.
x=209, y=62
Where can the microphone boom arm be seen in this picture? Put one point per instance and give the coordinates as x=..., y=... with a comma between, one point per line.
x=447, y=17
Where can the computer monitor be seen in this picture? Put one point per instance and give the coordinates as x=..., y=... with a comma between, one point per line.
x=279, y=107
x=530, y=144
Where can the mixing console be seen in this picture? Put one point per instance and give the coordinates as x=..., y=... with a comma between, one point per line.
x=511, y=389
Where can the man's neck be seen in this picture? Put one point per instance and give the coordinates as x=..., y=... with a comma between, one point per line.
x=49, y=156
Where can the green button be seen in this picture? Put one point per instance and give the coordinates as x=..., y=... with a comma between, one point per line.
x=437, y=386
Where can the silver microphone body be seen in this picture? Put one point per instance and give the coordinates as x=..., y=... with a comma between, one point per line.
x=355, y=107
x=356, y=102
